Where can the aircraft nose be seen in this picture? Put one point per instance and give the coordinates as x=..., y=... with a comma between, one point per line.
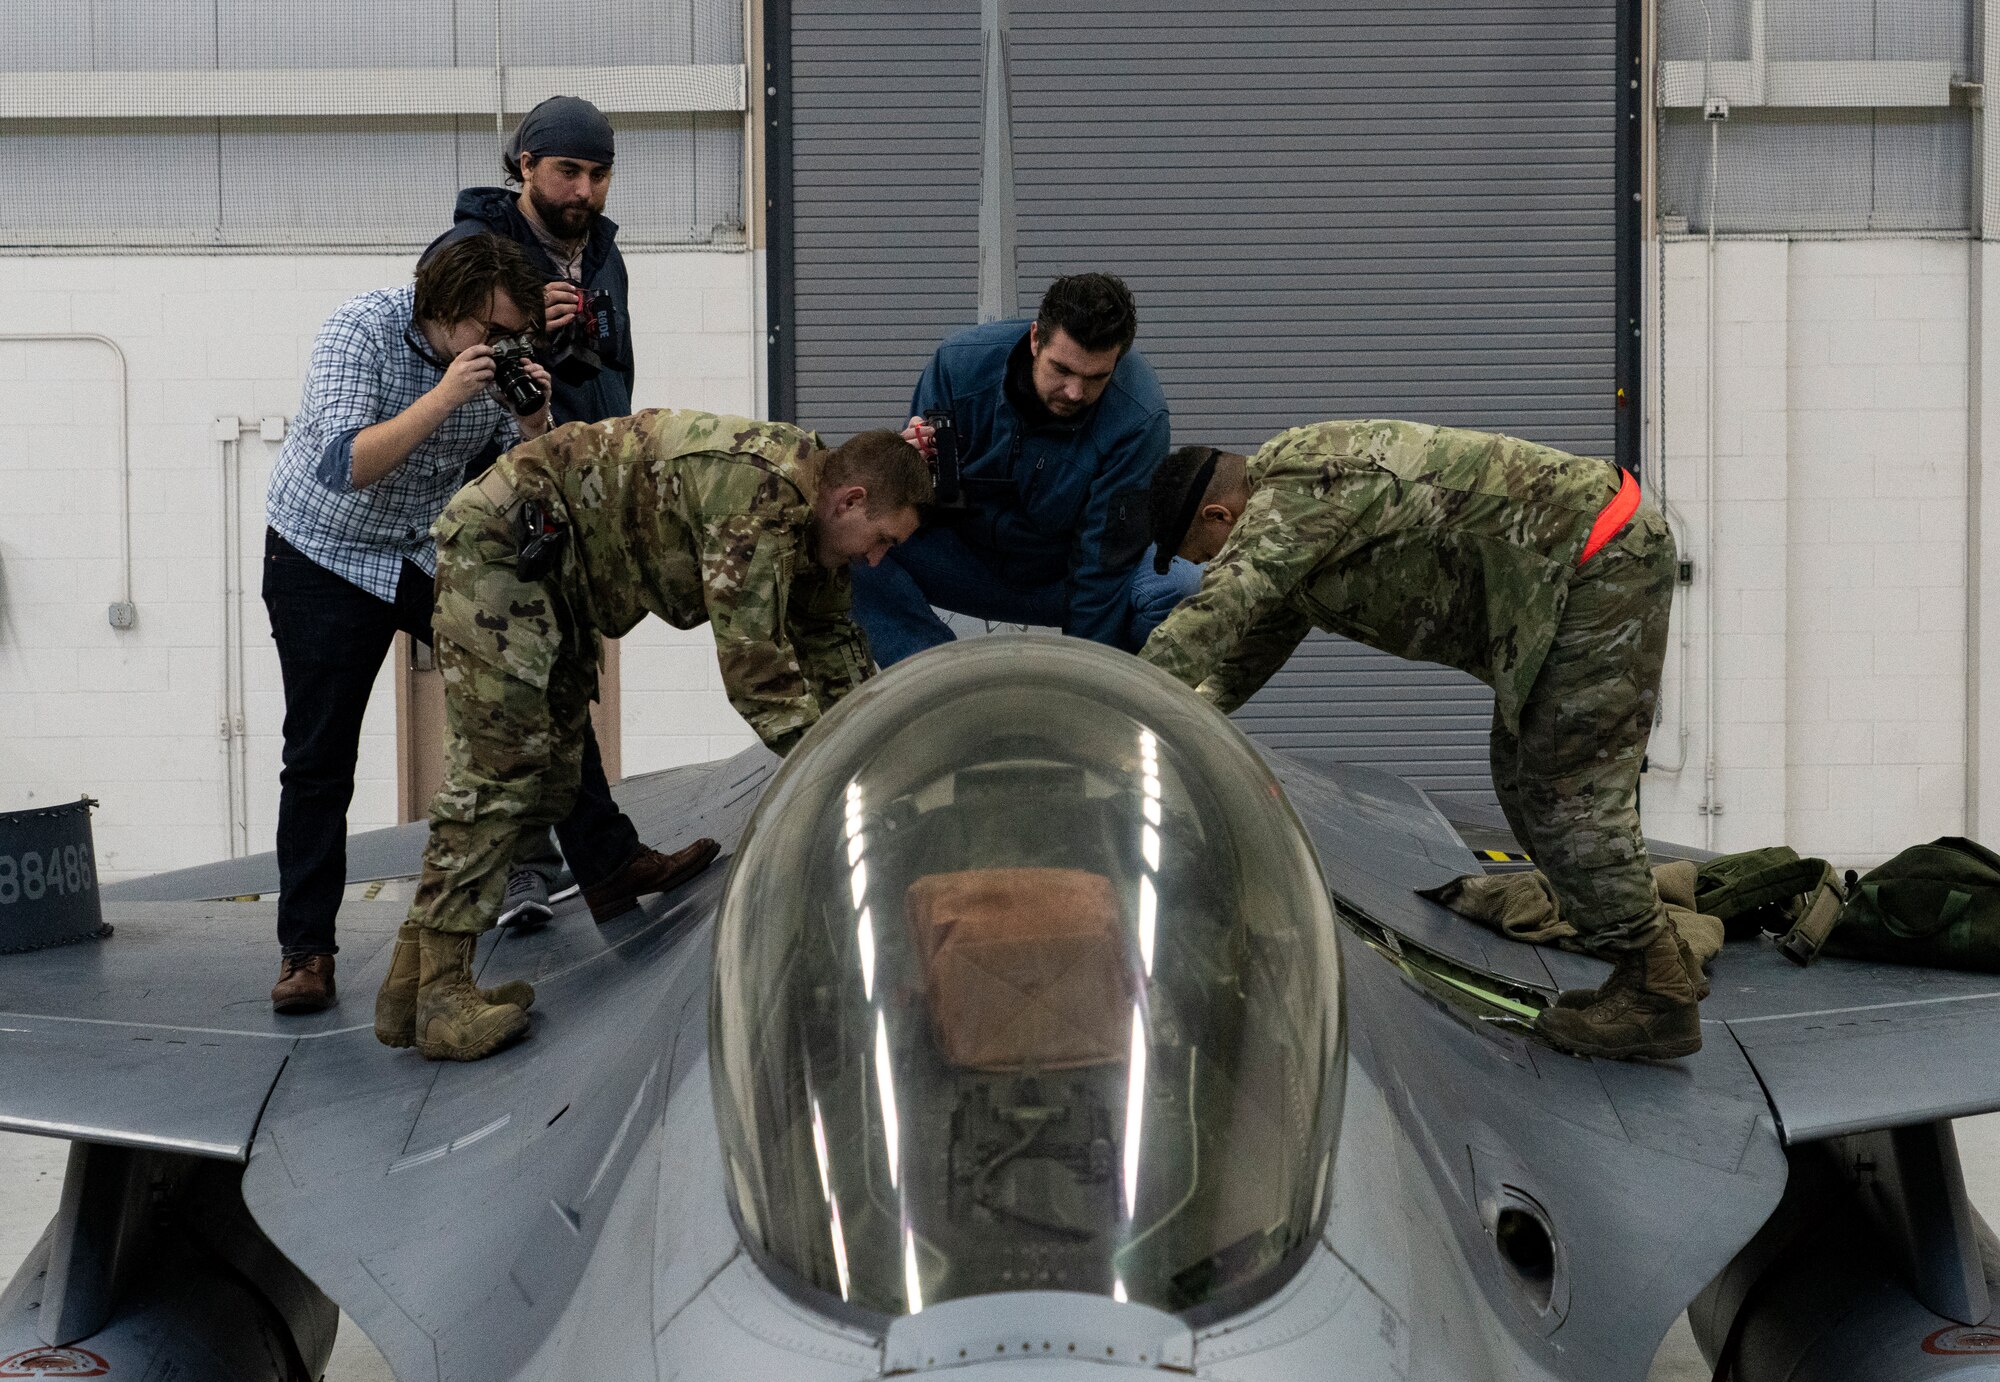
x=1047, y=1336
x=1027, y=1368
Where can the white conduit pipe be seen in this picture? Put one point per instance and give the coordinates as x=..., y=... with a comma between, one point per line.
x=1676, y=525
x=233, y=723
x=122, y=612
x=1710, y=807
x=1654, y=457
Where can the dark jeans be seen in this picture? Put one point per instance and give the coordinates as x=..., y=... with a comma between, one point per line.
x=895, y=601
x=332, y=636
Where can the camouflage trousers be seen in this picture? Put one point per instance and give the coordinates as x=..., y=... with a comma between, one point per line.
x=1569, y=780
x=518, y=683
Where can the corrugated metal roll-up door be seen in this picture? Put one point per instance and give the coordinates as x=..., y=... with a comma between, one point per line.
x=884, y=206
x=1342, y=210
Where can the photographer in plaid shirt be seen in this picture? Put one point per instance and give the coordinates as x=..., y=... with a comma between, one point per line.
x=400, y=410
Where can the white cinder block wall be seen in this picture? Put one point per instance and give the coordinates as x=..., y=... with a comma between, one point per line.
x=1840, y=417
x=133, y=717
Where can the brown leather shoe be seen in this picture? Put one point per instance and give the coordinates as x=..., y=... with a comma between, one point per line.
x=305, y=985
x=648, y=871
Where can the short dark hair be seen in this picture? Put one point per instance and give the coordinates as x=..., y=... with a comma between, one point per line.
x=511, y=166
x=1096, y=311
x=455, y=283
x=1174, y=505
x=893, y=472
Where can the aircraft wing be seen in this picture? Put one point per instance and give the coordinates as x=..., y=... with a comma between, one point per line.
x=162, y=1036
x=1849, y=1045
x=1842, y=1046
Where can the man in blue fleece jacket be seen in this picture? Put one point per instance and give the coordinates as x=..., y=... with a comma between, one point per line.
x=1060, y=426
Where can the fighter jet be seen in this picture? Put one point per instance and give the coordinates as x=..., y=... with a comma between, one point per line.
x=1039, y=1027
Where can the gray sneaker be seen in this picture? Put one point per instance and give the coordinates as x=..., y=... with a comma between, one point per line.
x=527, y=903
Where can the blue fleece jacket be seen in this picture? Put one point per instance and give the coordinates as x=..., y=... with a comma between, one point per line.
x=1062, y=501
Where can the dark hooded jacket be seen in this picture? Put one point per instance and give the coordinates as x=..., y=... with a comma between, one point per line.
x=498, y=209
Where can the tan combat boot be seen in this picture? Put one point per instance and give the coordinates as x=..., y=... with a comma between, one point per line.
x=454, y=1021
x=396, y=1001
x=1646, y=1010
x=1583, y=998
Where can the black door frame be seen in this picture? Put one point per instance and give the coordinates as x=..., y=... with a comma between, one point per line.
x=780, y=255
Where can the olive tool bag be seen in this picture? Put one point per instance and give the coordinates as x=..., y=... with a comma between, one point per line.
x=1935, y=904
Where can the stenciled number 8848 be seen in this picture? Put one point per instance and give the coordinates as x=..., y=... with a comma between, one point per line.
x=32, y=876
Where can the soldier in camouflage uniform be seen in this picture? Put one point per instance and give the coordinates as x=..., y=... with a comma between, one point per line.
x=746, y=526
x=1538, y=572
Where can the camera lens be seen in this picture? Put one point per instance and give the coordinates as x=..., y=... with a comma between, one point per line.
x=518, y=387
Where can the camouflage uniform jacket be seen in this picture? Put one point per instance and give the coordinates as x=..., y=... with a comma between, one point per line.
x=700, y=518
x=1432, y=543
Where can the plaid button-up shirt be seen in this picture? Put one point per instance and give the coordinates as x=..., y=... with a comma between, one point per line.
x=368, y=365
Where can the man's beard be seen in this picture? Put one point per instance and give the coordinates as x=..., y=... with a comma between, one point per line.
x=570, y=222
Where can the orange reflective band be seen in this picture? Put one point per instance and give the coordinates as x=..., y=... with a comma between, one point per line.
x=1614, y=518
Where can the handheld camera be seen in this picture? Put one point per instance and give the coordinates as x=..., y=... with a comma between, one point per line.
x=516, y=385
x=589, y=340
x=946, y=464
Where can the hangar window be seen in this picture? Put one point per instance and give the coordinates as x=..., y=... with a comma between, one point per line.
x=1815, y=116
x=168, y=123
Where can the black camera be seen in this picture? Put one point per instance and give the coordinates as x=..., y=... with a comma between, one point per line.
x=948, y=490
x=589, y=340
x=510, y=374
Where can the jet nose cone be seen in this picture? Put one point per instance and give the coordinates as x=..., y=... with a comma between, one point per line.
x=1036, y=1334
x=1026, y=1368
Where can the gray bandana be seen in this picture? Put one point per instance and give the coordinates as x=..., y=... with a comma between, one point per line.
x=564, y=127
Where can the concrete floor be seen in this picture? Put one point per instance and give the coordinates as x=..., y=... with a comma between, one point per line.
x=31, y=1171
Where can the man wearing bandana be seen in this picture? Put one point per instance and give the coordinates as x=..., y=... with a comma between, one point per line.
x=558, y=171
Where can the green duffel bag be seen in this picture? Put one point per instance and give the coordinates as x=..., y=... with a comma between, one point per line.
x=1770, y=889
x=1935, y=904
